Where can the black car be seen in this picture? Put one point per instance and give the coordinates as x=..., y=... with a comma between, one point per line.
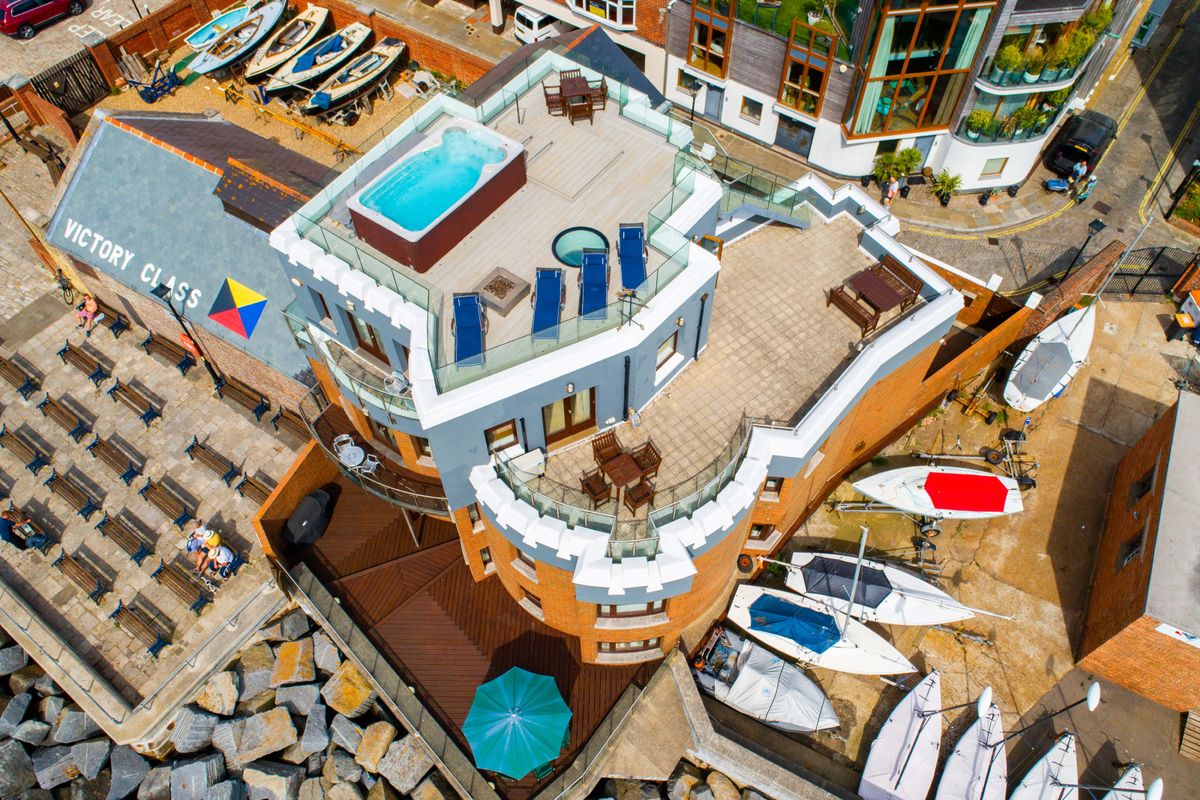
x=1085, y=137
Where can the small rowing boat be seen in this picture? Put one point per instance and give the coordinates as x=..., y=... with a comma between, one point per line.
x=207, y=33
x=904, y=755
x=977, y=768
x=287, y=42
x=1050, y=361
x=1054, y=775
x=944, y=492
x=358, y=79
x=319, y=58
x=240, y=40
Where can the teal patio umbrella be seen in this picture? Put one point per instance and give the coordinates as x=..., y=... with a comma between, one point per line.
x=517, y=723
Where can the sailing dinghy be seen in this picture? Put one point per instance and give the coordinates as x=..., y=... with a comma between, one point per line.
x=207, y=33
x=238, y=42
x=319, y=58
x=759, y=684
x=1054, y=775
x=944, y=492
x=885, y=593
x=359, y=78
x=977, y=768
x=904, y=755
x=287, y=42
x=1129, y=786
x=805, y=630
x=1050, y=361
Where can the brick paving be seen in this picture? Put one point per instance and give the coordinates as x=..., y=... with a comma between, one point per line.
x=189, y=408
x=25, y=182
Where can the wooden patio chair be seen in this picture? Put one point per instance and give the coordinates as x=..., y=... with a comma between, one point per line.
x=648, y=458
x=570, y=73
x=599, y=95
x=554, y=100
x=639, y=495
x=579, y=108
x=605, y=447
x=598, y=490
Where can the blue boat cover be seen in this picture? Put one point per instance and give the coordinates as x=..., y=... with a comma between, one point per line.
x=309, y=57
x=593, y=286
x=631, y=248
x=547, y=296
x=321, y=99
x=468, y=330
x=804, y=626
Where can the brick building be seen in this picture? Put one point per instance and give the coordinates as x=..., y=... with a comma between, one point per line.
x=1142, y=628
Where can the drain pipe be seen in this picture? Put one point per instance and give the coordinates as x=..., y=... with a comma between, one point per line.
x=666, y=21
x=625, y=411
x=699, y=327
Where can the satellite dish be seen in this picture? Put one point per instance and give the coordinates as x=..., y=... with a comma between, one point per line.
x=985, y=702
x=1155, y=790
x=1093, y=696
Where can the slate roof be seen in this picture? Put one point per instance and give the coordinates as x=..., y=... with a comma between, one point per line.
x=262, y=195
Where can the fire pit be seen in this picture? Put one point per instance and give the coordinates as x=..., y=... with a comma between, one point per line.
x=501, y=290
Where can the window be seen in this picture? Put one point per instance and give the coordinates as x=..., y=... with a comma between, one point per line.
x=686, y=82
x=1130, y=550
x=667, y=349
x=751, y=109
x=993, y=168
x=502, y=436
x=422, y=446
x=1143, y=486
x=773, y=486
x=323, y=309
x=631, y=610
x=367, y=338
x=637, y=646
x=618, y=12
x=526, y=559
x=533, y=599
x=712, y=27
x=473, y=514
x=485, y=556
x=760, y=533
x=805, y=67
x=571, y=415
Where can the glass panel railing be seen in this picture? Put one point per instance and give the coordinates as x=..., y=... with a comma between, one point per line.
x=632, y=539
x=1006, y=130
x=557, y=501
x=389, y=392
x=297, y=324
x=682, y=499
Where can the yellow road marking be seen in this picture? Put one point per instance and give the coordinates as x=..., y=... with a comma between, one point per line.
x=1168, y=162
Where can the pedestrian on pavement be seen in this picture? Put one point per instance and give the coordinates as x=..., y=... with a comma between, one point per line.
x=1079, y=170
x=893, y=189
x=9, y=521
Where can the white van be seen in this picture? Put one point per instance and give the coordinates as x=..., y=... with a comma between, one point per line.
x=530, y=25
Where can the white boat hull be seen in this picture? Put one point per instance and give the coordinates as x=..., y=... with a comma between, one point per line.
x=214, y=58
x=293, y=74
x=305, y=28
x=1129, y=786
x=355, y=80
x=1058, y=766
x=208, y=33
x=977, y=768
x=913, y=601
x=904, y=755
x=1050, y=361
x=944, y=492
x=860, y=651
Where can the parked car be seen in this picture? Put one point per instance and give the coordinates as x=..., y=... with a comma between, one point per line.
x=1085, y=137
x=531, y=25
x=22, y=18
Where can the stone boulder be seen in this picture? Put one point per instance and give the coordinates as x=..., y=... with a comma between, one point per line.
x=681, y=784
x=128, y=768
x=31, y=731
x=36, y=793
x=288, y=628
x=326, y=655
x=316, y=733
x=191, y=780
x=263, y=701
x=344, y=791
x=753, y=794
x=376, y=740
x=89, y=788
x=220, y=694
x=294, y=663
x=270, y=780
x=346, y=734
x=432, y=788
x=405, y=764
x=45, y=685
x=14, y=713
x=73, y=725
x=193, y=729
x=312, y=789
x=339, y=768
x=702, y=791
x=722, y=787
x=225, y=740
x=53, y=766
x=16, y=770
x=156, y=785
x=298, y=698
x=348, y=692
x=50, y=707
x=91, y=756
x=265, y=733
x=254, y=669
x=24, y=679
x=382, y=790
x=12, y=658
x=227, y=790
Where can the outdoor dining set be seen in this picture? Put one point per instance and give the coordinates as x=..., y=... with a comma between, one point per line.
x=575, y=97
x=622, y=467
x=353, y=457
x=874, y=291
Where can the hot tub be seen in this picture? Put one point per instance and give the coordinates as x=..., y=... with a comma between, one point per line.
x=429, y=200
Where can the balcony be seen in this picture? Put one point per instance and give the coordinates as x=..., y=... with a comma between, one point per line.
x=389, y=481
x=1002, y=131
x=994, y=80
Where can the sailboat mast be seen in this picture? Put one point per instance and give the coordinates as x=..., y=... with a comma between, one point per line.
x=862, y=549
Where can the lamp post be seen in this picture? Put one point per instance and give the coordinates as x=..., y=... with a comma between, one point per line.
x=163, y=292
x=693, y=89
x=1183, y=187
x=1094, y=227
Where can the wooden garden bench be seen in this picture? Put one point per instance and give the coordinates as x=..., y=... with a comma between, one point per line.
x=66, y=419
x=165, y=501
x=22, y=448
x=865, y=318
x=109, y=317
x=22, y=381
x=115, y=459
x=181, y=359
x=135, y=401
x=257, y=489
x=286, y=419
x=246, y=396
x=219, y=464
x=82, y=575
x=123, y=535
x=86, y=363
x=139, y=627
x=179, y=583
x=75, y=495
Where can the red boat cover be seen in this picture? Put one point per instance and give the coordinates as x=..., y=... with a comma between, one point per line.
x=951, y=491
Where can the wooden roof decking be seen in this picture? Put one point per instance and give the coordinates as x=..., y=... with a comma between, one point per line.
x=445, y=633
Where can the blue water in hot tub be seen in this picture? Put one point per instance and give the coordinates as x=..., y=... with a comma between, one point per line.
x=420, y=189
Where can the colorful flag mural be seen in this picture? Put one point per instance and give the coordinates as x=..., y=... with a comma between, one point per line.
x=238, y=308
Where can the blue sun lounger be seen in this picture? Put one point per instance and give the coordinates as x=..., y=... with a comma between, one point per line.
x=631, y=249
x=549, y=296
x=593, y=284
x=468, y=326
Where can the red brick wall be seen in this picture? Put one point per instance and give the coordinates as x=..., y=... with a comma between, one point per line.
x=311, y=470
x=1150, y=663
x=982, y=304
x=1118, y=594
x=1084, y=280
x=164, y=28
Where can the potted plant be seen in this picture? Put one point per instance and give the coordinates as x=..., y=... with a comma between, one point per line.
x=908, y=161
x=1056, y=58
x=1056, y=99
x=813, y=10
x=1008, y=59
x=885, y=168
x=977, y=121
x=1080, y=46
x=1034, y=66
x=945, y=184
x=1025, y=118
x=1097, y=20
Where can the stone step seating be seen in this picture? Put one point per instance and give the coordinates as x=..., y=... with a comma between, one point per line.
x=158, y=495
x=75, y=426
x=21, y=380
x=82, y=575
x=179, y=358
x=85, y=362
x=123, y=535
x=135, y=401
x=181, y=584
x=21, y=446
x=138, y=625
x=75, y=495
